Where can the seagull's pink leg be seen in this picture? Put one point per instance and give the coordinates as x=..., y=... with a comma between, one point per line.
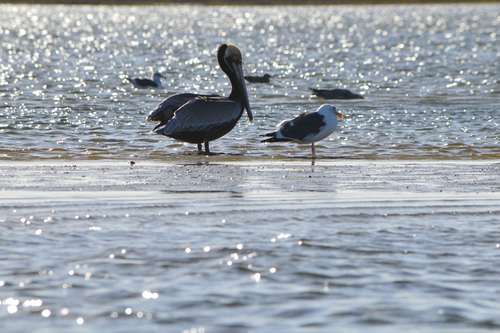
x=313, y=150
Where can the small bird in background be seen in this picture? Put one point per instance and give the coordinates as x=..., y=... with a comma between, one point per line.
x=155, y=81
x=258, y=79
x=336, y=94
x=307, y=127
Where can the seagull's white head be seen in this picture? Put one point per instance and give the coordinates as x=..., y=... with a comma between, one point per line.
x=158, y=75
x=327, y=109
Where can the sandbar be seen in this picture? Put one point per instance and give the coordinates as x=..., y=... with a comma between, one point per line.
x=221, y=174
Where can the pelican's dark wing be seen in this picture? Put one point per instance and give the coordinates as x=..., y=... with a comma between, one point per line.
x=166, y=109
x=204, y=115
x=302, y=126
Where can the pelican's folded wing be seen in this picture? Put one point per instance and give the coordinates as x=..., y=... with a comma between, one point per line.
x=204, y=115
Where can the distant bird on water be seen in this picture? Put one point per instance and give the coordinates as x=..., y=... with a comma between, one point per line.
x=258, y=79
x=336, y=94
x=307, y=127
x=196, y=118
x=155, y=81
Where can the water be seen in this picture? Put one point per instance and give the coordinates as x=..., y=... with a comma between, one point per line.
x=249, y=247
x=236, y=262
x=369, y=239
x=429, y=75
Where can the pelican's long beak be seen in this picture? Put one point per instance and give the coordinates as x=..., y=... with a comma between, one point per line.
x=238, y=69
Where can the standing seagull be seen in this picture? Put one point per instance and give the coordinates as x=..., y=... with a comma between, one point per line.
x=336, y=94
x=200, y=119
x=308, y=127
x=147, y=83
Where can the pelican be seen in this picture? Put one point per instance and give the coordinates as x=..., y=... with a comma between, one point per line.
x=258, y=79
x=155, y=81
x=336, y=94
x=307, y=127
x=197, y=118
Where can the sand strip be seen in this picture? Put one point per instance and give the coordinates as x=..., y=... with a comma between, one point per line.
x=214, y=175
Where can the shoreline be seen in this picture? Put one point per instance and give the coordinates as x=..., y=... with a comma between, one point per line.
x=200, y=175
x=243, y=2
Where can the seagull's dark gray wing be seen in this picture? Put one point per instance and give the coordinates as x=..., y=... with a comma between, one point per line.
x=302, y=126
x=260, y=79
x=204, y=115
x=336, y=94
x=145, y=83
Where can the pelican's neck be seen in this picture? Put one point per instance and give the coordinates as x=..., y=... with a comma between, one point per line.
x=235, y=90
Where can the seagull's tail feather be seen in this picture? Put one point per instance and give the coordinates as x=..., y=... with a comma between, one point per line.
x=275, y=139
x=269, y=134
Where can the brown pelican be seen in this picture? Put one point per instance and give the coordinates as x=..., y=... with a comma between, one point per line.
x=155, y=81
x=307, y=127
x=200, y=119
x=258, y=79
x=336, y=94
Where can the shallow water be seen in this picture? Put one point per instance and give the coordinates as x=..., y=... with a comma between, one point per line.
x=249, y=247
x=238, y=262
x=258, y=239
x=429, y=75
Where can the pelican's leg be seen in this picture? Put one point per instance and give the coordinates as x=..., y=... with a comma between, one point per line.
x=207, y=150
x=313, y=150
x=199, y=147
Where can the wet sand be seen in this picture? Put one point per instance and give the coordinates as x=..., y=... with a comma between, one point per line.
x=236, y=174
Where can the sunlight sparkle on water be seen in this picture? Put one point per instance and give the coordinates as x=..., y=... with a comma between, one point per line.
x=255, y=277
x=33, y=302
x=147, y=294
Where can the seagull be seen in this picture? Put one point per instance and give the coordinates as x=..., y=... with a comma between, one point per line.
x=336, y=94
x=147, y=83
x=258, y=79
x=307, y=127
x=198, y=118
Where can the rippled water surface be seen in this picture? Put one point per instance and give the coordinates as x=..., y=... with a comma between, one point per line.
x=251, y=240
x=237, y=262
x=429, y=75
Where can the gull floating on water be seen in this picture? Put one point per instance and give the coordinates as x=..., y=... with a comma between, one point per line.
x=336, y=94
x=197, y=118
x=155, y=81
x=258, y=79
x=307, y=127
